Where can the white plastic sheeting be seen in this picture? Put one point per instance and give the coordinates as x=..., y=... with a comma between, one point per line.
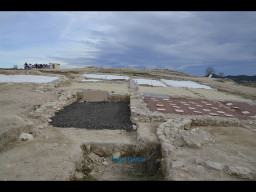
x=27, y=78
x=189, y=84
x=149, y=82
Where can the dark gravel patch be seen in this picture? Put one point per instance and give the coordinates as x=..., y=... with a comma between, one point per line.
x=94, y=115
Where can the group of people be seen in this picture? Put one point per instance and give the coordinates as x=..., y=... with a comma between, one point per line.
x=38, y=66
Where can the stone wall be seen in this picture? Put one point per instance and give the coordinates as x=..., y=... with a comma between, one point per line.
x=47, y=110
x=180, y=128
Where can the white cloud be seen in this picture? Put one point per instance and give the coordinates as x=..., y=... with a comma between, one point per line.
x=174, y=40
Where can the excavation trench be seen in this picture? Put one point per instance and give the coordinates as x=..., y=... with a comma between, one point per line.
x=111, y=114
x=118, y=160
x=123, y=162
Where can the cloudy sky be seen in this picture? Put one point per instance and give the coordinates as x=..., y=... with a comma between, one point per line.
x=182, y=41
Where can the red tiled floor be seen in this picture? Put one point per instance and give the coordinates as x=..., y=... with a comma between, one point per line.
x=195, y=106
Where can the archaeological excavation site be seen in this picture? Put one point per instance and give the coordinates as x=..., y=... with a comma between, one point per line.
x=109, y=124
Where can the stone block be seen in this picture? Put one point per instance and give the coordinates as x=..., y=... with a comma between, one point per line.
x=95, y=95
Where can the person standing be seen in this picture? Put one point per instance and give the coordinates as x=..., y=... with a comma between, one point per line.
x=25, y=65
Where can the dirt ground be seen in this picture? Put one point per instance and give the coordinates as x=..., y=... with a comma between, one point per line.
x=54, y=152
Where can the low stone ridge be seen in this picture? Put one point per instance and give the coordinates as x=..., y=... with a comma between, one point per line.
x=168, y=132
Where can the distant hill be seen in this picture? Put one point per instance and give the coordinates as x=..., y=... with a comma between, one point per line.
x=242, y=78
x=237, y=78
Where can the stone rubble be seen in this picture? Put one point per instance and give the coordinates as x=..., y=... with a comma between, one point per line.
x=26, y=137
x=180, y=127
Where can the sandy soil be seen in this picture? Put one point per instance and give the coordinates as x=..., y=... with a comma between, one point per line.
x=217, y=95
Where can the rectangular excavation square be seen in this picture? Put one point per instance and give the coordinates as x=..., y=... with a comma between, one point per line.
x=94, y=115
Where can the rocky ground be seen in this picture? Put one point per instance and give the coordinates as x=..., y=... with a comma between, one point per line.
x=208, y=148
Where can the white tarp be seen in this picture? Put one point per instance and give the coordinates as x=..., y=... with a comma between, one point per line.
x=27, y=78
x=149, y=82
x=189, y=84
x=90, y=80
x=106, y=77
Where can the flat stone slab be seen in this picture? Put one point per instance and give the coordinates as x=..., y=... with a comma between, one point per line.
x=228, y=115
x=95, y=95
x=160, y=109
x=214, y=165
x=163, y=96
x=179, y=110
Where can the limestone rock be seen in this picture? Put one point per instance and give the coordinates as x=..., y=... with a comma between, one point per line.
x=199, y=161
x=26, y=137
x=134, y=127
x=214, y=165
x=196, y=139
x=116, y=155
x=40, y=127
x=240, y=172
x=105, y=163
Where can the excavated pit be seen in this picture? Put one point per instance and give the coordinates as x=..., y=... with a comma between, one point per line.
x=94, y=115
x=113, y=114
x=135, y=163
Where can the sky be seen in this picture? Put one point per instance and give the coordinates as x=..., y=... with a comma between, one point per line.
x=176, y=40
